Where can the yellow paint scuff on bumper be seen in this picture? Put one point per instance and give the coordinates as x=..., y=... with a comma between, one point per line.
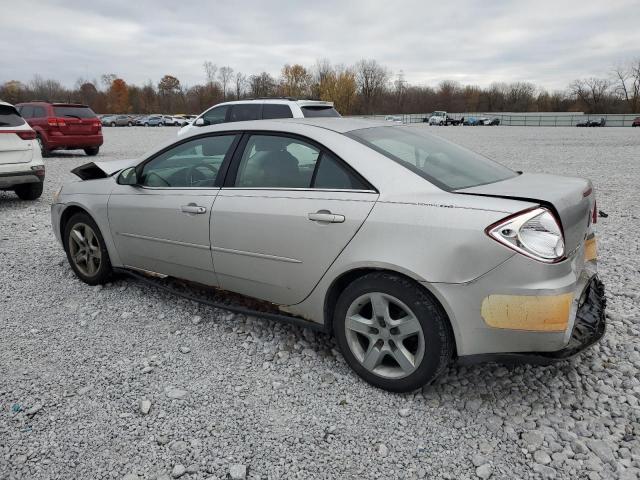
x=590, y=250
x=544, y=313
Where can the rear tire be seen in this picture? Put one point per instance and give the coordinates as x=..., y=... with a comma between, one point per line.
x=407, y=346
x=129, y=124
x=29, y=191
x=44, y=151
x=86, y=250
x=92, y=151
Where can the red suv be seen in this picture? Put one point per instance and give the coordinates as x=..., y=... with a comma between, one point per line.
x=63, y=126
x=636, y=122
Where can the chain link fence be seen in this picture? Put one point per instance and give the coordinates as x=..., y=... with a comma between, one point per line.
x=550, y=119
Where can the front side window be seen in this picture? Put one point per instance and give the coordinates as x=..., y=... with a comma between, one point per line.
x=9, y=117
x=272, y=161
x=215, y=115
x=192, y=164
x=242, y=112
x=446, y=165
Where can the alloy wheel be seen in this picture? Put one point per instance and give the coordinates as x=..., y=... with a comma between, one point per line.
x=384, y=335
x=84, y=248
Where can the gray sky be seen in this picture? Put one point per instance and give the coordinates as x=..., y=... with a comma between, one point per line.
x=549, y=43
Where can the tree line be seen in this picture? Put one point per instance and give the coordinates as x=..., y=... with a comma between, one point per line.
x=366, y=87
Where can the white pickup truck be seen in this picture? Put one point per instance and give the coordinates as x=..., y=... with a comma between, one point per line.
x=440, y=117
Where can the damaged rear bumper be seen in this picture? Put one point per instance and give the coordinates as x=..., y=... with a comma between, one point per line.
x=588, y=328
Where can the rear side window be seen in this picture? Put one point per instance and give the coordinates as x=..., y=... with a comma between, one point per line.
x=274, y=161
x=9, y=117
x=319, y=111
x=242, y=112
x=38, y=112
x=74, y=112
x=445, y=164
x=270, y=110
x=332, y=174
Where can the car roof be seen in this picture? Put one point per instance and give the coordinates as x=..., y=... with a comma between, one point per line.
x=335, y=124
x=5, y=103
x=284, y=100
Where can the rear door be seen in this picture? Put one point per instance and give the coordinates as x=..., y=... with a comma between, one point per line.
x=76, y=120
x=241, y=112
x=287, y=210
x=162, y=224
x=13, y=149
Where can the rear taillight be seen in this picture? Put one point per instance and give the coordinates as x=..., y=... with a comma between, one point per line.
x=55, y=122
x=38, y=170
x=27, y=135
x=535, y=233
x=23, y=134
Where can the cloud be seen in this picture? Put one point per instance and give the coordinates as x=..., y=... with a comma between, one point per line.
x=546, y=42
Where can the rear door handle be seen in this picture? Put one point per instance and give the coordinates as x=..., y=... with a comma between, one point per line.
x=193, y=208
x=325, y=216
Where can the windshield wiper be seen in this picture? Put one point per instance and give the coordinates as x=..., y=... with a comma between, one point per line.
x=73, y=116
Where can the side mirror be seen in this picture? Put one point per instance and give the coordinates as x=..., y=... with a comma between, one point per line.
x=128, y=177
x=199, y=122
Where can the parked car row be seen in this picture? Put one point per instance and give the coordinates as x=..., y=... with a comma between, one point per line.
x=442, y=118
x=146, y=120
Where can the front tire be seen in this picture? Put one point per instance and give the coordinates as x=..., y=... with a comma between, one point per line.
x=86, y=250
x=393, y=333
x=29, y=191
x=92, y=151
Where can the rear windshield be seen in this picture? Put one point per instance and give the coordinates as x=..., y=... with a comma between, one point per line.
x=443, y=163
x=77, y=112
x=9, y=117
x=319, y=111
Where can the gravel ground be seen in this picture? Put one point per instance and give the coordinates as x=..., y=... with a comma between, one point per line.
x=125, y=382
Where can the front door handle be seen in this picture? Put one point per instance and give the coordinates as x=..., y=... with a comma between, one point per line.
x=193, y=208
x=325, y=216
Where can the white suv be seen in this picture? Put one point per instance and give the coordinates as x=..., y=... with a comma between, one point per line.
x=21, y=165
x=261, y=109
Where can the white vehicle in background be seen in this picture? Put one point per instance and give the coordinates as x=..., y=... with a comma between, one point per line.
x=393, y=118
x=21, y=165
x=438, y=118
x=183, y=120
x=261, y=109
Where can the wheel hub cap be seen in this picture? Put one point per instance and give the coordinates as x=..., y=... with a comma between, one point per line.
x=84, y=249
x=384, y=335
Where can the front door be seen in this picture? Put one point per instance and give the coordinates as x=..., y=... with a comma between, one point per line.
x=162, y=224
x=288, y=210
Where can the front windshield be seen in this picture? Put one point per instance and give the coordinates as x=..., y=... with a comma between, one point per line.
x=443, y=163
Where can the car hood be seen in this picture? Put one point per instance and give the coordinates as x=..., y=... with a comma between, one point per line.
x=94, y=170
x=571, y=199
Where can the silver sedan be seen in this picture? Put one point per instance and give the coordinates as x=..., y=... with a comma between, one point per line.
x=410, y=250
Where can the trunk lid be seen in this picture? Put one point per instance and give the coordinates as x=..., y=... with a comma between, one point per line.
x=77, y=120
x=570, y=198
x=14, y=149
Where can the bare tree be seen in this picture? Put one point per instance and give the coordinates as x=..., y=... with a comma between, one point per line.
x=591, y=92
x=225, y=74
x=371, y=79
x=241, y=82
x=262, y=85
x=210, y=71
x=627, y=84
